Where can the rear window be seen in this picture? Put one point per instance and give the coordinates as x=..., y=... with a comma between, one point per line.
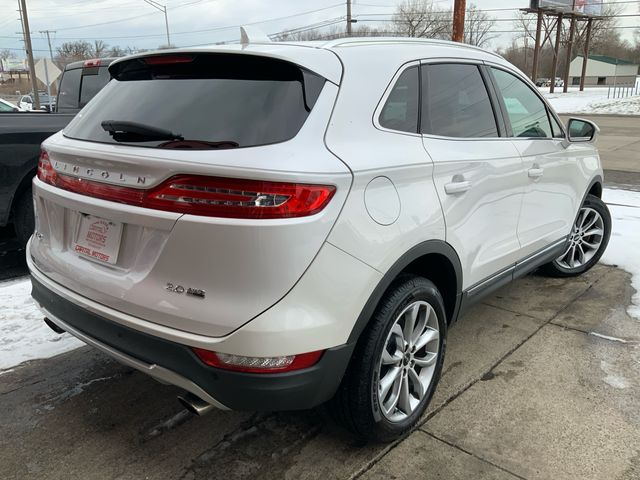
x=203, y=100
x=69, y=89
x=93, y=80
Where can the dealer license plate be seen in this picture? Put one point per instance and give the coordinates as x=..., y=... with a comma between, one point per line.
x=98, y=238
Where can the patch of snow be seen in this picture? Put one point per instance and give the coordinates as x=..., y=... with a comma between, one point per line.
x=23, y=334
x=592, y=100
x=624, y=244
x=613, y=378
x=607, y=337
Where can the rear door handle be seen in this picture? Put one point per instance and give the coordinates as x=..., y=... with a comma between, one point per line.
x=536, y=172
x=457, y=187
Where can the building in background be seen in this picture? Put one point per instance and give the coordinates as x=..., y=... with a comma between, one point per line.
x=604, y=70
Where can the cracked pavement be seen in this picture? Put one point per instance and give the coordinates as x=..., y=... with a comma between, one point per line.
x=541, y=380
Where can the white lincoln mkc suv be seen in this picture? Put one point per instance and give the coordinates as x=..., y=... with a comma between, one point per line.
x=273, y=226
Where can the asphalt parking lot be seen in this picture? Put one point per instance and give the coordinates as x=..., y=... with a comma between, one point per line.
x=541, y=381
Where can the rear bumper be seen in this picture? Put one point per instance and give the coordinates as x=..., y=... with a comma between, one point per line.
x=176, y=364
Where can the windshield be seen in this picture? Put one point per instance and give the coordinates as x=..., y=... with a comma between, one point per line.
x=209, y=100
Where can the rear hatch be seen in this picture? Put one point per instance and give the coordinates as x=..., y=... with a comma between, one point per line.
x=194, y=190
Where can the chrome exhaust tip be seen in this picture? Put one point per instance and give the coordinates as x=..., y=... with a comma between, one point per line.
x=53, y=326
x=195, y=404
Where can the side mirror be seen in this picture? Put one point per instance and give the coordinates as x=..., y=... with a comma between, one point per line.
x=580, y=130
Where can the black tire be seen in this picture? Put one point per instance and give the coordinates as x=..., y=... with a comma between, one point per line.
x=355, y=405
x=23, y=217
x=555, y=269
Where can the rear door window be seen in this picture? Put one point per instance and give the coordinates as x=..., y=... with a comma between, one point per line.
x=207, y=100
x=455, y=102
x=400, y=111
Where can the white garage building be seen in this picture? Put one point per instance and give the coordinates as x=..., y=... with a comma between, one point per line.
x=603, y=70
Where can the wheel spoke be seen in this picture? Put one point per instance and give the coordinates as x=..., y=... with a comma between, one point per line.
x=585, y=215
x=391, y=403
x=389, y=359
x=420, y=326
x=594, y=231
x=418, y=387
x=580, y=255
x=411, y=317
x=591, y=245
x=427, y=337
x=587, y=225
x=388, y=380
x=426, y=361
x=404, y=402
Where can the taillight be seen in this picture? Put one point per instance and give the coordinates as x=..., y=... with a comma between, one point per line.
x=240, y=363
x=94, y=62
x=168, y=59
x=205, y=196
x=46, y=173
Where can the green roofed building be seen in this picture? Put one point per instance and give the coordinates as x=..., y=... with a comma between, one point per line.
x=603, y=70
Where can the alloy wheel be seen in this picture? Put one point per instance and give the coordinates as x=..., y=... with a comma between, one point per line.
x=408, y=361
x=584, y=241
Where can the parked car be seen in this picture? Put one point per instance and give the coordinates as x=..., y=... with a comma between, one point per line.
x=21, y=136
x=543, y=82
x=8, y=107
x=316, y=244
x=559, y=82
x=26, y=103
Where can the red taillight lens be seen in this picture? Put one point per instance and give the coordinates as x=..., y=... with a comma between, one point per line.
x=46, y=173
x=167, y=59
x=94, y=62
x=241, y=363
x=206, y=196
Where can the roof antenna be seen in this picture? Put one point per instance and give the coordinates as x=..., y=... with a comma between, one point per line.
x=253, y=35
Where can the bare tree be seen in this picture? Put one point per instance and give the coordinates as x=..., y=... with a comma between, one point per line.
x=419, y=18
x=73, y=51
x=477, y=28
x=5, y=55
x=100, y=48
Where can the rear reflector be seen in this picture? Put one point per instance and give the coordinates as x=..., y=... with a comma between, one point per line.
x=241, y=363
x=205, y=196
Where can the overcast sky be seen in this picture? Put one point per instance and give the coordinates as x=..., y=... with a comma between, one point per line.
x=193, y=22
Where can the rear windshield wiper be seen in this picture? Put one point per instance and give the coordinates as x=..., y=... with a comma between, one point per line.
x=124, y=131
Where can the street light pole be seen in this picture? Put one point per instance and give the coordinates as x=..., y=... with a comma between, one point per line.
x=163, y=9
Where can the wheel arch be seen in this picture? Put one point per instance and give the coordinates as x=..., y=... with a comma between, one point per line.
x=595, y=188
x=435, y=260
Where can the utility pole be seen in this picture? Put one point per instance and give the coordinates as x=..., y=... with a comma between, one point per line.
x=49, y=41
x=27, y=45
x=459, y=8
x=348, y=18
x=163, y=9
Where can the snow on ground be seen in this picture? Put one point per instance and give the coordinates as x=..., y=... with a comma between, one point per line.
x=592, y=100
x=624, y=244
x=24, y=336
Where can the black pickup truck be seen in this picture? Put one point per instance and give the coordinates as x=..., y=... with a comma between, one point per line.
x=22, y=133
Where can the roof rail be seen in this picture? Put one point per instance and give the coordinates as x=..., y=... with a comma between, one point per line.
x=428, y=41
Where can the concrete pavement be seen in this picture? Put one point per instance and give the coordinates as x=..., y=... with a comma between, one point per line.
x=528, y=391
x=619, y=146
